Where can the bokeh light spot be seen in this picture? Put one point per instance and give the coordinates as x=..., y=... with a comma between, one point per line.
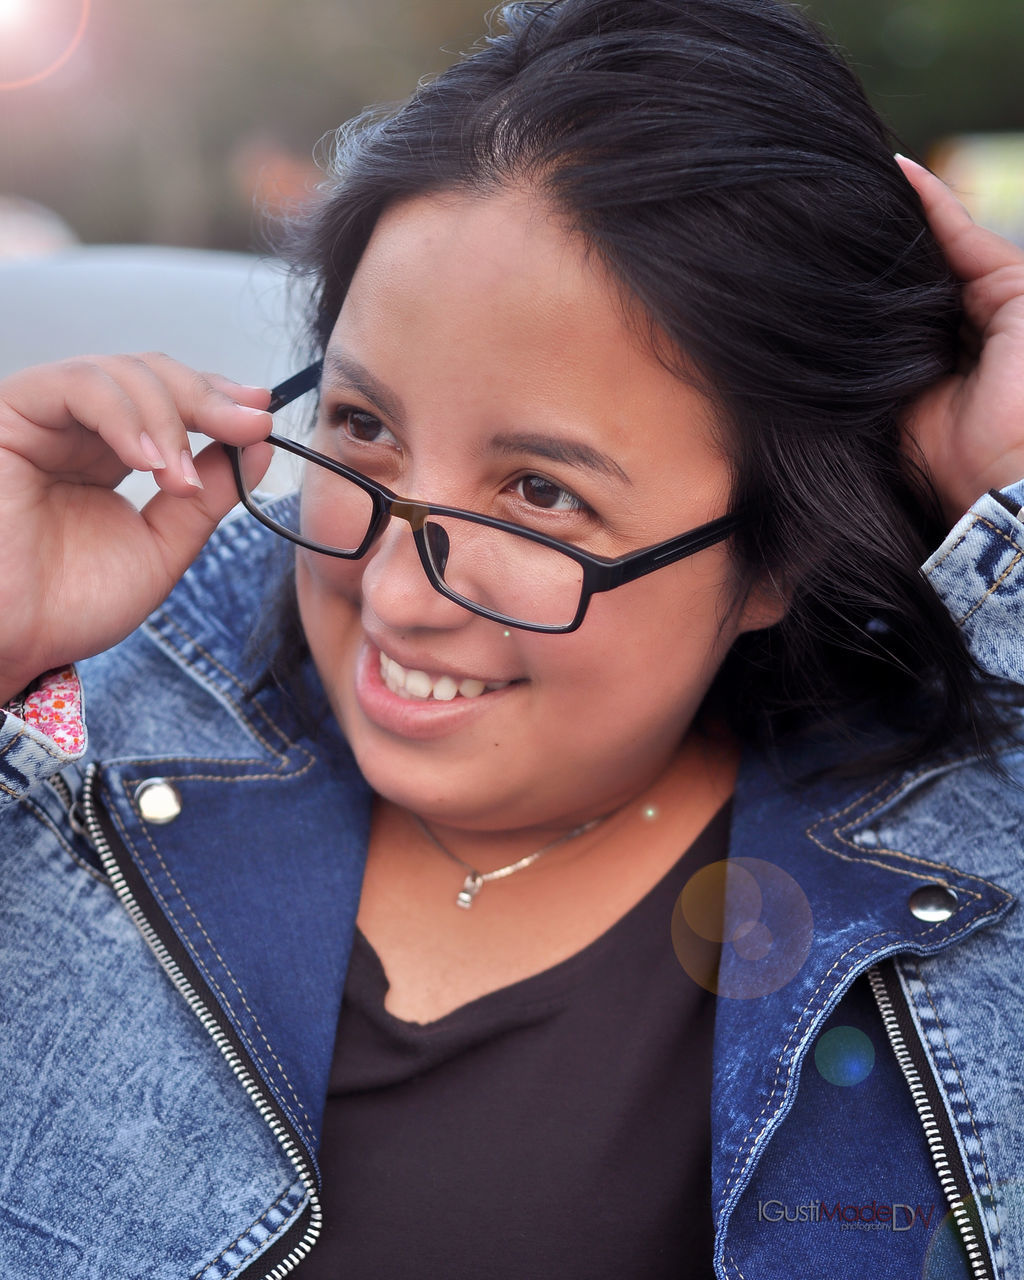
x=742, y=927
x=12, y=12
x=14, y=17
x=844, y=1056
x=752, y=940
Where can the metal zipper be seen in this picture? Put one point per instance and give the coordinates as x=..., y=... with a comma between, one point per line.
x=59, y=784
x=241, y=1065
x=946, y=1157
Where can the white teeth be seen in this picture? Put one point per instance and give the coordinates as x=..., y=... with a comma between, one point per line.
x=445, y=689
x=417, y=684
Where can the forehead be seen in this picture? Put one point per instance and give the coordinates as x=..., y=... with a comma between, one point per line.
x=488, y=311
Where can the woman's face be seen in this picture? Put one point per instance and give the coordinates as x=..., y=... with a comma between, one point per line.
x=483, y=360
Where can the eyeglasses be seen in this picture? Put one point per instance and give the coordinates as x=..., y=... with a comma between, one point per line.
x=491, y=567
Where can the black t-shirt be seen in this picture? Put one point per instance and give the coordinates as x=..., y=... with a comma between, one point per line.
x=557, y=1127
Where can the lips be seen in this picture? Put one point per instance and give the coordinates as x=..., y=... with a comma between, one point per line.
x=388, y=702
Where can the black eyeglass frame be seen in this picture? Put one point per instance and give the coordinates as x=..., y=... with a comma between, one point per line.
x=600, y=573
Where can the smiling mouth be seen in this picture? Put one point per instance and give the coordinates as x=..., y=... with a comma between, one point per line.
x=423, y=687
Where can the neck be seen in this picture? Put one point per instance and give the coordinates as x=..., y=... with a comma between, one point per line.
x=687, y=790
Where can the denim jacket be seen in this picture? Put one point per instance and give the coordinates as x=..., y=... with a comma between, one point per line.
x=178, y=905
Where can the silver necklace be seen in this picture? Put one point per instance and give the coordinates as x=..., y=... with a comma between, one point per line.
x=475, y=880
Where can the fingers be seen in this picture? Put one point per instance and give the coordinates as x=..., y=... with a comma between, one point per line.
x=972, y=251
x=181, y=528
x=140, y=407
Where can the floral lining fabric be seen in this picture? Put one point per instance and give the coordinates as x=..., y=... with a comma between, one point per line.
x=52, y=705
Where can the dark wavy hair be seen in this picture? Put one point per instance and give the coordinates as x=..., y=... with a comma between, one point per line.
x=725, y=164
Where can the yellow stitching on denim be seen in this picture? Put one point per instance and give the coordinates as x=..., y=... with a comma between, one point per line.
x=735, y=1266
x=217, y=987
x=247, y=777
x=38, y=740
x=207, y=683
x=234, y=680
x=883, y=933
x=1000, y=533
x=994, y=587
x=234, y=981
x=904, y=785
x=154, y=889
x=45, y=818
x=865, y=859
x=21, y=731
x=918, y=976
x=270, y=1208
x=953, y=547
x=993, y=528
x=307, y=1122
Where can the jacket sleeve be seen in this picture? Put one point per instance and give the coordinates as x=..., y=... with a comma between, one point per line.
x=40, y=734
x=978, y=572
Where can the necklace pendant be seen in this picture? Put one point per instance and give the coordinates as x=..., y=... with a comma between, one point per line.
x=469, y=890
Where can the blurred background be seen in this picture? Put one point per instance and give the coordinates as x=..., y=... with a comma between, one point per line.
x=169, y=123
x=147, y=148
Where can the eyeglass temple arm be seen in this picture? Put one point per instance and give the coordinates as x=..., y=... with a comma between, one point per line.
x=297, y=385
x=697, y=540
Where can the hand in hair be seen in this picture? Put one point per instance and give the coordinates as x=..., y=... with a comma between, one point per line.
x=970, y=426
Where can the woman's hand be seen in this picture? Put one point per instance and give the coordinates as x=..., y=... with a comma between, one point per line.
x=80, y=567
x=970, y=427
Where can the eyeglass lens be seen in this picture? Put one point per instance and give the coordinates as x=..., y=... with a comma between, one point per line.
x=521, y=580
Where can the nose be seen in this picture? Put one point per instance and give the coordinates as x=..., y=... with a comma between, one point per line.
x=396, y=589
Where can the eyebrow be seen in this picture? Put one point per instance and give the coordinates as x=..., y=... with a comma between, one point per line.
x=556, y=449
x=340, y=367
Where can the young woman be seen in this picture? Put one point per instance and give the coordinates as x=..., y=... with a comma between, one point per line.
x=578, y=838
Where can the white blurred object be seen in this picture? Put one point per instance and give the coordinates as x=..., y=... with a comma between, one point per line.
x=30, y=230
x=228, y=313
x=986, y=170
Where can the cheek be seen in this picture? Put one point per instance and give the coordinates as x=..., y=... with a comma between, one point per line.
x=328, y=592
x=677, y=623
x=643, y=660
x=333, y=511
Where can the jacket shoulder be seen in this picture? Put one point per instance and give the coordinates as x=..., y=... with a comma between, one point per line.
x=182, y=682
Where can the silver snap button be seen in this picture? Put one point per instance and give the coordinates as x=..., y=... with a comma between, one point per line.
x=158, y=801
x=933, y=903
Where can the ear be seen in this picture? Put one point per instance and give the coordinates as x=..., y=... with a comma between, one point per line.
x=765, y=604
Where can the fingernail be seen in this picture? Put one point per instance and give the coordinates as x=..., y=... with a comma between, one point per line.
x=244, y=408
x=150, y=452
x=188, y=471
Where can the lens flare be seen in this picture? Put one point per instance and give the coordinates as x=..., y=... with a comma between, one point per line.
x=742, y=928
x=14, y=13
x=844, y=1056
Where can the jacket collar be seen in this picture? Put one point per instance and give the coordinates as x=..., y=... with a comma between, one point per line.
x=820, y=887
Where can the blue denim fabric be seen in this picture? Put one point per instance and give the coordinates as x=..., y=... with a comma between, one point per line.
x=130, y=1147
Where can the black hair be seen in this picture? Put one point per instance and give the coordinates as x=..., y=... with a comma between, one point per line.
x=725, y=164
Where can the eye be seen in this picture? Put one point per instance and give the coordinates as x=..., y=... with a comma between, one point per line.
x=541, y=492
x=360, y=426
x=357, y=425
